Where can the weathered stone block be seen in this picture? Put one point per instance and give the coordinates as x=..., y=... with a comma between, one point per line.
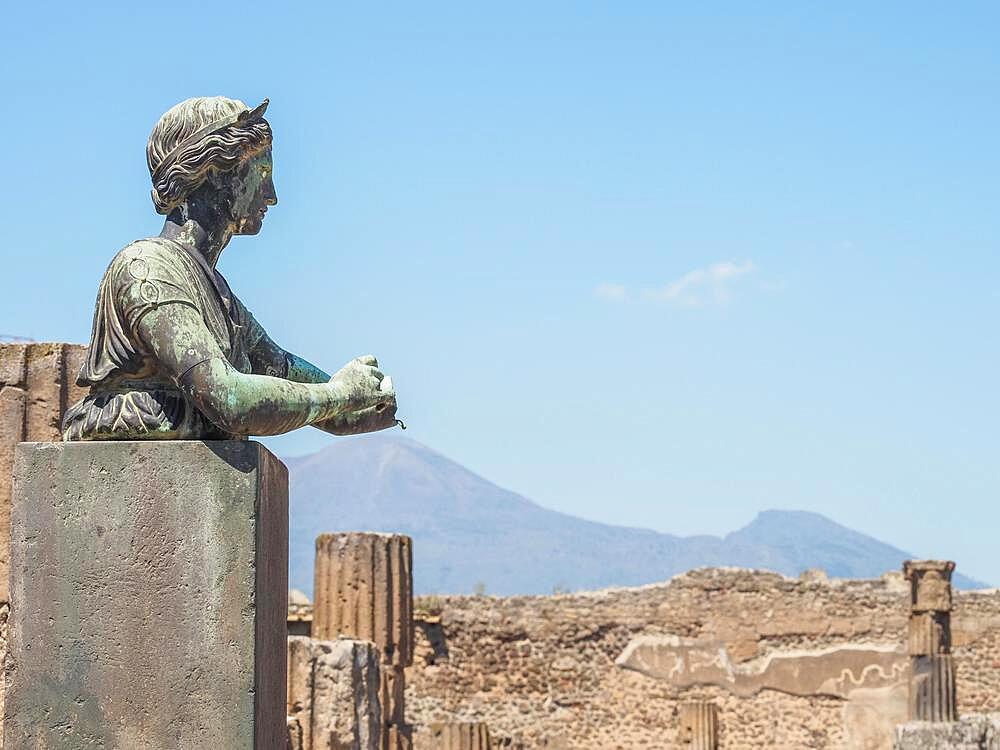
x=364, y=589
x=148, y=597
x=333, y=690
x=13, y=365
x=698, y=725
x=973, y=732
x=930, y=584
x=932, y=689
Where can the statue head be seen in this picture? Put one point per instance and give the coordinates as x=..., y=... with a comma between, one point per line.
x=217, y=151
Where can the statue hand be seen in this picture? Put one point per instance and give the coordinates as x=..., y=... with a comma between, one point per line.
x=358, y=422
x=361, y=385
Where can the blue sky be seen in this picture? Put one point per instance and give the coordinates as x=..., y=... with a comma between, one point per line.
x=653, y=264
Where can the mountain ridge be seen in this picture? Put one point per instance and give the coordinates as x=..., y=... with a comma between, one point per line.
x=471, y=534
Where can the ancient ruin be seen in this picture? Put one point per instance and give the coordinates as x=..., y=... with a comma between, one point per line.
x=741, y=659
x=932, y=669
x=364, y=589
x=333, y=697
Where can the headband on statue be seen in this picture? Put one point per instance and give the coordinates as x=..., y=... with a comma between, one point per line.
x=245, y=117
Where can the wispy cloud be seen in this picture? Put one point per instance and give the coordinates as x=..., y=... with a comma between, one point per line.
x=711, y=285
x=611, y=292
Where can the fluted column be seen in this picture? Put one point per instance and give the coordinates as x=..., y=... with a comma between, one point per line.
x=699, y=726
x=364, y=589
x=932, y=674
x=458, y=735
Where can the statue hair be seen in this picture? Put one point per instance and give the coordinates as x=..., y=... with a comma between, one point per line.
x=221, y=151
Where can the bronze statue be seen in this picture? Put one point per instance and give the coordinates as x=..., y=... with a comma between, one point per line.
x=174, y=354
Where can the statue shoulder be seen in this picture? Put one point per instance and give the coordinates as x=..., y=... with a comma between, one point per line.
x=150, y=272
x=152, y=250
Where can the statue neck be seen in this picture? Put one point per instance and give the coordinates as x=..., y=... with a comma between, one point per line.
x=206, y=227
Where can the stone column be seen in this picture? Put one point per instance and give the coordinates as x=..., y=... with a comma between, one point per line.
x=932, y=675
x=698, y=725
x=333, y=690
x=454, y=735
x=148, y=596
x=364, y=589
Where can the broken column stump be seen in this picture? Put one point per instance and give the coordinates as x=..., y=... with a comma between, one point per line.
x=333, y=691
x=455, y=735
x=294, y=734
x=148, y=597
x=698, y=724
x=364, y=589
x=932, y=674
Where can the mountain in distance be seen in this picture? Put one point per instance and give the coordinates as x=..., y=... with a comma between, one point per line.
x=468, y=534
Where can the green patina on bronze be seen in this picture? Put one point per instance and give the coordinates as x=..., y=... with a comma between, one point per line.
x=174, y=354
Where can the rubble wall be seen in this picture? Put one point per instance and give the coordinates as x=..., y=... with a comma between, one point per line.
x=790, y=663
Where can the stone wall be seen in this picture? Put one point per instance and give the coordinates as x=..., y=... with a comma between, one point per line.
x=37, y=383
x=790, y=663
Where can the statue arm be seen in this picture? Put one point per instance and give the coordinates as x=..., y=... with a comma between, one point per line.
x=244, y=404
x=270, y=358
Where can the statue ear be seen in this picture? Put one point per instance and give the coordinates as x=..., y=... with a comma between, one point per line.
x=221, y=186
x=220, y=181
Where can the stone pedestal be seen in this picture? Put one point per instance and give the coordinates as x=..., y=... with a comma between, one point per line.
x=698, y=725
x=364, y=589
x=148, y=597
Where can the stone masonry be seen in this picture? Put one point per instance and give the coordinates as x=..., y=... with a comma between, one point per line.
x=810, y=664
x=364, y=589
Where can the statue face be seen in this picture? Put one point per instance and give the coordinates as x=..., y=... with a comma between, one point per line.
x=253, y=192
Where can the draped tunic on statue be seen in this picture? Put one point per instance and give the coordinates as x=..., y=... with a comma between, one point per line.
x=131, y=397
